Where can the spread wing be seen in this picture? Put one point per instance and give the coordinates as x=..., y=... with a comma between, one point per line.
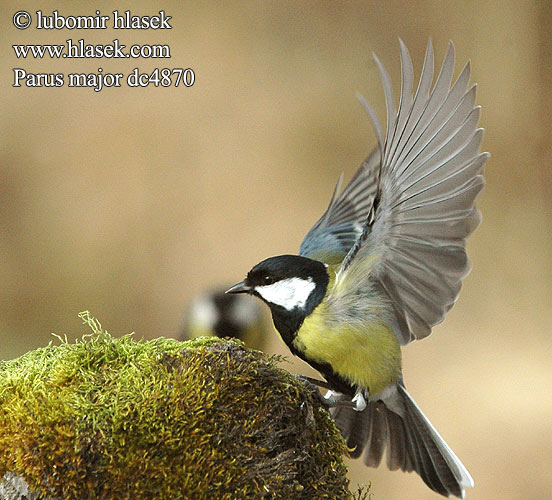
x=336, y=231
x=411, y=250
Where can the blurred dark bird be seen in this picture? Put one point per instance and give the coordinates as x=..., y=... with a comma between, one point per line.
x=383, y=265
x=221, y=315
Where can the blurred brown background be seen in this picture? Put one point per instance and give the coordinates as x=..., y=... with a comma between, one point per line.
x=129, y=201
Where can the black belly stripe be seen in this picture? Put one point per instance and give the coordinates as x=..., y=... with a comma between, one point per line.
x=288, y=323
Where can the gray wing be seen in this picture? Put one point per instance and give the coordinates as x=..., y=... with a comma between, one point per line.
x=413, y=248
x=336, y=231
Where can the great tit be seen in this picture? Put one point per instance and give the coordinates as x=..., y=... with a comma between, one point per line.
x=383, y=265
x=217, y=314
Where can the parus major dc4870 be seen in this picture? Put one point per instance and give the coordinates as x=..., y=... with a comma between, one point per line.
x=383, y=265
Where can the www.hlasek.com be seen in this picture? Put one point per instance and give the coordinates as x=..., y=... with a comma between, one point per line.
x=81, y=50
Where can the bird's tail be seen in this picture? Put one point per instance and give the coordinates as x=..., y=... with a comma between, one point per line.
x=396, y=424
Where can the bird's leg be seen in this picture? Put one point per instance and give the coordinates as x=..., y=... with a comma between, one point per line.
x=309, y=382
x=329, y=400
x=357, y=403
x=312, y=381
x=316, y=382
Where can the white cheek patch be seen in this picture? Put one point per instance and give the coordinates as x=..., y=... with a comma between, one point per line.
x=289, y=293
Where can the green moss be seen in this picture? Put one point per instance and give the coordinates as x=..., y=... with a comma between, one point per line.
x=114, y=418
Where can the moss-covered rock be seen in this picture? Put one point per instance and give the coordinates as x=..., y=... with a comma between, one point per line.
x=114, y=418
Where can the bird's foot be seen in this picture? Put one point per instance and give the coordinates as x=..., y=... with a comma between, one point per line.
x=358, y=401
x=309, y=383
x=312, y=381
x=330, y=400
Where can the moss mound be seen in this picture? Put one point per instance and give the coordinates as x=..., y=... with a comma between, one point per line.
x=114, y=418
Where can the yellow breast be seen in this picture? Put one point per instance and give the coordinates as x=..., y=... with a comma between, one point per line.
x=366, y=355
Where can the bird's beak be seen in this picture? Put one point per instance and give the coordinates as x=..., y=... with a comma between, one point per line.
x=240, y=287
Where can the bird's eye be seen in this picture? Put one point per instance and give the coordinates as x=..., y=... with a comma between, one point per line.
x=268, y=280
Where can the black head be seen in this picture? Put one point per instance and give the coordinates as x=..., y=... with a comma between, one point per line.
x=287, y=282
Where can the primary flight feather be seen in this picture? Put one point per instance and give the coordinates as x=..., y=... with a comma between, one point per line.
x=383, y=265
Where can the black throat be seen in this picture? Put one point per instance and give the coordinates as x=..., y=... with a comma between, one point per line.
x=288, y=322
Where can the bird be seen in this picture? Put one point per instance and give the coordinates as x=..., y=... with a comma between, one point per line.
x=214, y=313
x=383, y=265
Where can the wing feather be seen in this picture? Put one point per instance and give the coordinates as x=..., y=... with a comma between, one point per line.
x=389, y=100
x=407, y=80
x=412, y=246
x=336, y=231
x=422, y=94
x=373, y=119
x=424, y=122
x=443, y=126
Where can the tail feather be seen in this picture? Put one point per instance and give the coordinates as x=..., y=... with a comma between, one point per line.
x=450, y=470
x=428, y=469
x=378, y=435
x=357, y=430
x=397, y=457
x=396, y=425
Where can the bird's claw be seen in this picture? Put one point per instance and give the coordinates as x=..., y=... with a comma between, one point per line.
x=359, y=401
x=331, y=398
